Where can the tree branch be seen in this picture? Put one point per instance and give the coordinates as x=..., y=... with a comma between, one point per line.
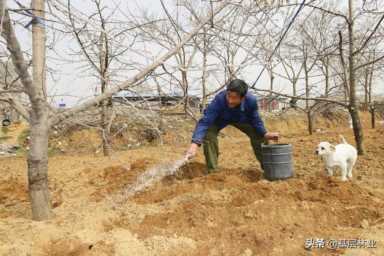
x=13, y=46
x=66, y=114
x=303, y=98
x=81, y=43
x=369, y=63
x=370, y=36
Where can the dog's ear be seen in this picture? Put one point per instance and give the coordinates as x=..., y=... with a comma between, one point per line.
x=332, y=147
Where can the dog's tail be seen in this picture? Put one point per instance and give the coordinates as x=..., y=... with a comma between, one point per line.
x=343, y=139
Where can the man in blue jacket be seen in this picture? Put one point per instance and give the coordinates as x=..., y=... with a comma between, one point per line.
x=237, y=107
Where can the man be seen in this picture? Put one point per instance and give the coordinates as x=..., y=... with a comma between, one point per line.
x=237, y=107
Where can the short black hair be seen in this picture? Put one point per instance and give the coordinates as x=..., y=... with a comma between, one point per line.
x=239, y=86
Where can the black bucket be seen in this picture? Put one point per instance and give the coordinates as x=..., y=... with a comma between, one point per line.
x=277, y=161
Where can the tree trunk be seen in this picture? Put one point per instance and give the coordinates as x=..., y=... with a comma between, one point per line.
x=294, y=88
x=326, y=76
x=39, y=123
x=353, y=109
x=106, y=105
x=204, y=75
x=366, y=81
x=370, y=103
x=160, y=124
x=344, y=73
x=105, y=126
x=357, y=129
x=370, y=81
x=307, y=108
x=185, y=87
x=271, y=88
x=37, y=160
x=372, y=111
x=38, y=163
x=310, y=122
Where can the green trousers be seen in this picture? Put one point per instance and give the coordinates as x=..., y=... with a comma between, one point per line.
x=211, y=147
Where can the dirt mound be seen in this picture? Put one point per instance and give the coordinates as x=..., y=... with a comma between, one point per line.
x=114, y=178
x=245, y=211
x=67, y=247
x=231, y=212
x=13, y=194
x=188, y=171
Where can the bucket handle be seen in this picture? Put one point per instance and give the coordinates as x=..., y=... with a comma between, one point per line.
x=273, y=141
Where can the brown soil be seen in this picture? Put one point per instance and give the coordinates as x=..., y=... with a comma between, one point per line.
x=232, y=212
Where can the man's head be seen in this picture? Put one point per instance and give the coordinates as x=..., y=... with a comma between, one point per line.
x=236, y=90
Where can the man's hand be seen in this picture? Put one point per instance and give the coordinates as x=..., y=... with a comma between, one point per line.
x=191, y=153
x=272, y=136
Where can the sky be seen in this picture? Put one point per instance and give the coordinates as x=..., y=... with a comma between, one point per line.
x=73, y=87
x=68, y=81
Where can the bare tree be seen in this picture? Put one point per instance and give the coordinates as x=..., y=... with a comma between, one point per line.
x=348, y=59
x=42, y=116
x=38, y=116
x=102, y=45
x=307, y=69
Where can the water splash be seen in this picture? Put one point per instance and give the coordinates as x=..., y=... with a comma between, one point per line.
x=147, y=179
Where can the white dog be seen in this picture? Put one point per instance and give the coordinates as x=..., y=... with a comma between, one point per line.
x=343, y=155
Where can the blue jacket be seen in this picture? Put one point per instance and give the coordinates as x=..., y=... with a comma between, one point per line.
x=218, y=113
